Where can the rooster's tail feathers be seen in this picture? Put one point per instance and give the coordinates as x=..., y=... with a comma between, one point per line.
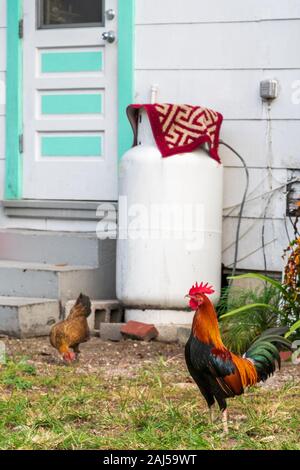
x=264, y=352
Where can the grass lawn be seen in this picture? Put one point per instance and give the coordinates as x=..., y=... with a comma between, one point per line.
x=133, y=396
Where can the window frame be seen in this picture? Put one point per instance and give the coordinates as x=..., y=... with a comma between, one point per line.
x=41, y=26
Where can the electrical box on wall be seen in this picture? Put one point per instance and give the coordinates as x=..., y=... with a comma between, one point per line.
x=269, y=89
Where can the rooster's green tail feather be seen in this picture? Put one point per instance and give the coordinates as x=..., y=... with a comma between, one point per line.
x=265, y=351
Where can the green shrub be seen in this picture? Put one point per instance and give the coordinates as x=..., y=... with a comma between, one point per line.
x=246, y=313
x=241, y=325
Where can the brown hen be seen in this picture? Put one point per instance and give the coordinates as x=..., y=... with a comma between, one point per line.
x=70, y=333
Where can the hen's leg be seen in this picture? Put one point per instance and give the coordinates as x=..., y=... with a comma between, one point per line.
x=76, y=350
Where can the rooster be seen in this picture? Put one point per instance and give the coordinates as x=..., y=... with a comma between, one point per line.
x=73, y=331
x=219, y=373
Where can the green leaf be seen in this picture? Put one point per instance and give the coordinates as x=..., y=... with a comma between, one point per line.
x=246, y=308
x=274, y=283
x=293, y=328
x=272, y=339
x=277, y=331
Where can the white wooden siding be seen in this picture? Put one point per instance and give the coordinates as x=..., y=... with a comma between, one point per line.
x=233, y=93
x=250, y=246
x=2, y=48
x=2, y=13
x=218, y=45
x=250, y=138
x=262, y=182
x=215, y=54
x=191, y=11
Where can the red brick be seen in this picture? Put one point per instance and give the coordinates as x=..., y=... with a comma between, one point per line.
x=139, y=331
x=285, y=355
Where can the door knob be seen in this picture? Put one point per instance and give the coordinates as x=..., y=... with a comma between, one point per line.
x=109, y=36
x=110, y=14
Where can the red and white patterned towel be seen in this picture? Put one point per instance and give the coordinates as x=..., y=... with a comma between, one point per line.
x=180, y=128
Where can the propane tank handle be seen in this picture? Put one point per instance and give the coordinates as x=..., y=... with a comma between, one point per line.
x=154, y=94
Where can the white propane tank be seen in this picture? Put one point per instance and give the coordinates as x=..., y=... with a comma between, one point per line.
x=170, y=230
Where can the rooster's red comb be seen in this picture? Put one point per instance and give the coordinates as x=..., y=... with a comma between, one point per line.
x=201, y=289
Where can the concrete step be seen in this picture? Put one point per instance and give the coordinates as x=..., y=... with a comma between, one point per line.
x=59, y=282
x=83, y=249
x=27, y=317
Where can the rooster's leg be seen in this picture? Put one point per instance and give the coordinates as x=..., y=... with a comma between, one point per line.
x=211, y=414
x=225, y=421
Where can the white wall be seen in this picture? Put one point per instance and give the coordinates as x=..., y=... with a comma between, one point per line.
x=215, y=53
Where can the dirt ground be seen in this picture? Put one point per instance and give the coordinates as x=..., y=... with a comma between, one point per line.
x=119, y=359
x=113, y=358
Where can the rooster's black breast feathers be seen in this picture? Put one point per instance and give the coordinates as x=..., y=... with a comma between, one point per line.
x=201, y=358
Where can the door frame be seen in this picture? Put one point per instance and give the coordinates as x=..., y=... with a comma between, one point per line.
x=14, y=89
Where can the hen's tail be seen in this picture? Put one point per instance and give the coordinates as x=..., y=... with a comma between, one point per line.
x=264, y=352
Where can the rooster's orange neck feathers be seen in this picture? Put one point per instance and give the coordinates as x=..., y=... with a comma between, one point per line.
x=205, y=325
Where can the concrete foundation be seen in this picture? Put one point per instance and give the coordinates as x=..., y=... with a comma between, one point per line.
x=26, y=318
x=160, y=317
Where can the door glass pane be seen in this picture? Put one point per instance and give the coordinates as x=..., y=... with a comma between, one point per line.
x=64, y=13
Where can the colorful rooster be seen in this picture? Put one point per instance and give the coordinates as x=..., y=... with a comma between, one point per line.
x=219, y=373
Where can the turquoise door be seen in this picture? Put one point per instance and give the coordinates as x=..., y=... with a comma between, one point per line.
x=70, y=99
